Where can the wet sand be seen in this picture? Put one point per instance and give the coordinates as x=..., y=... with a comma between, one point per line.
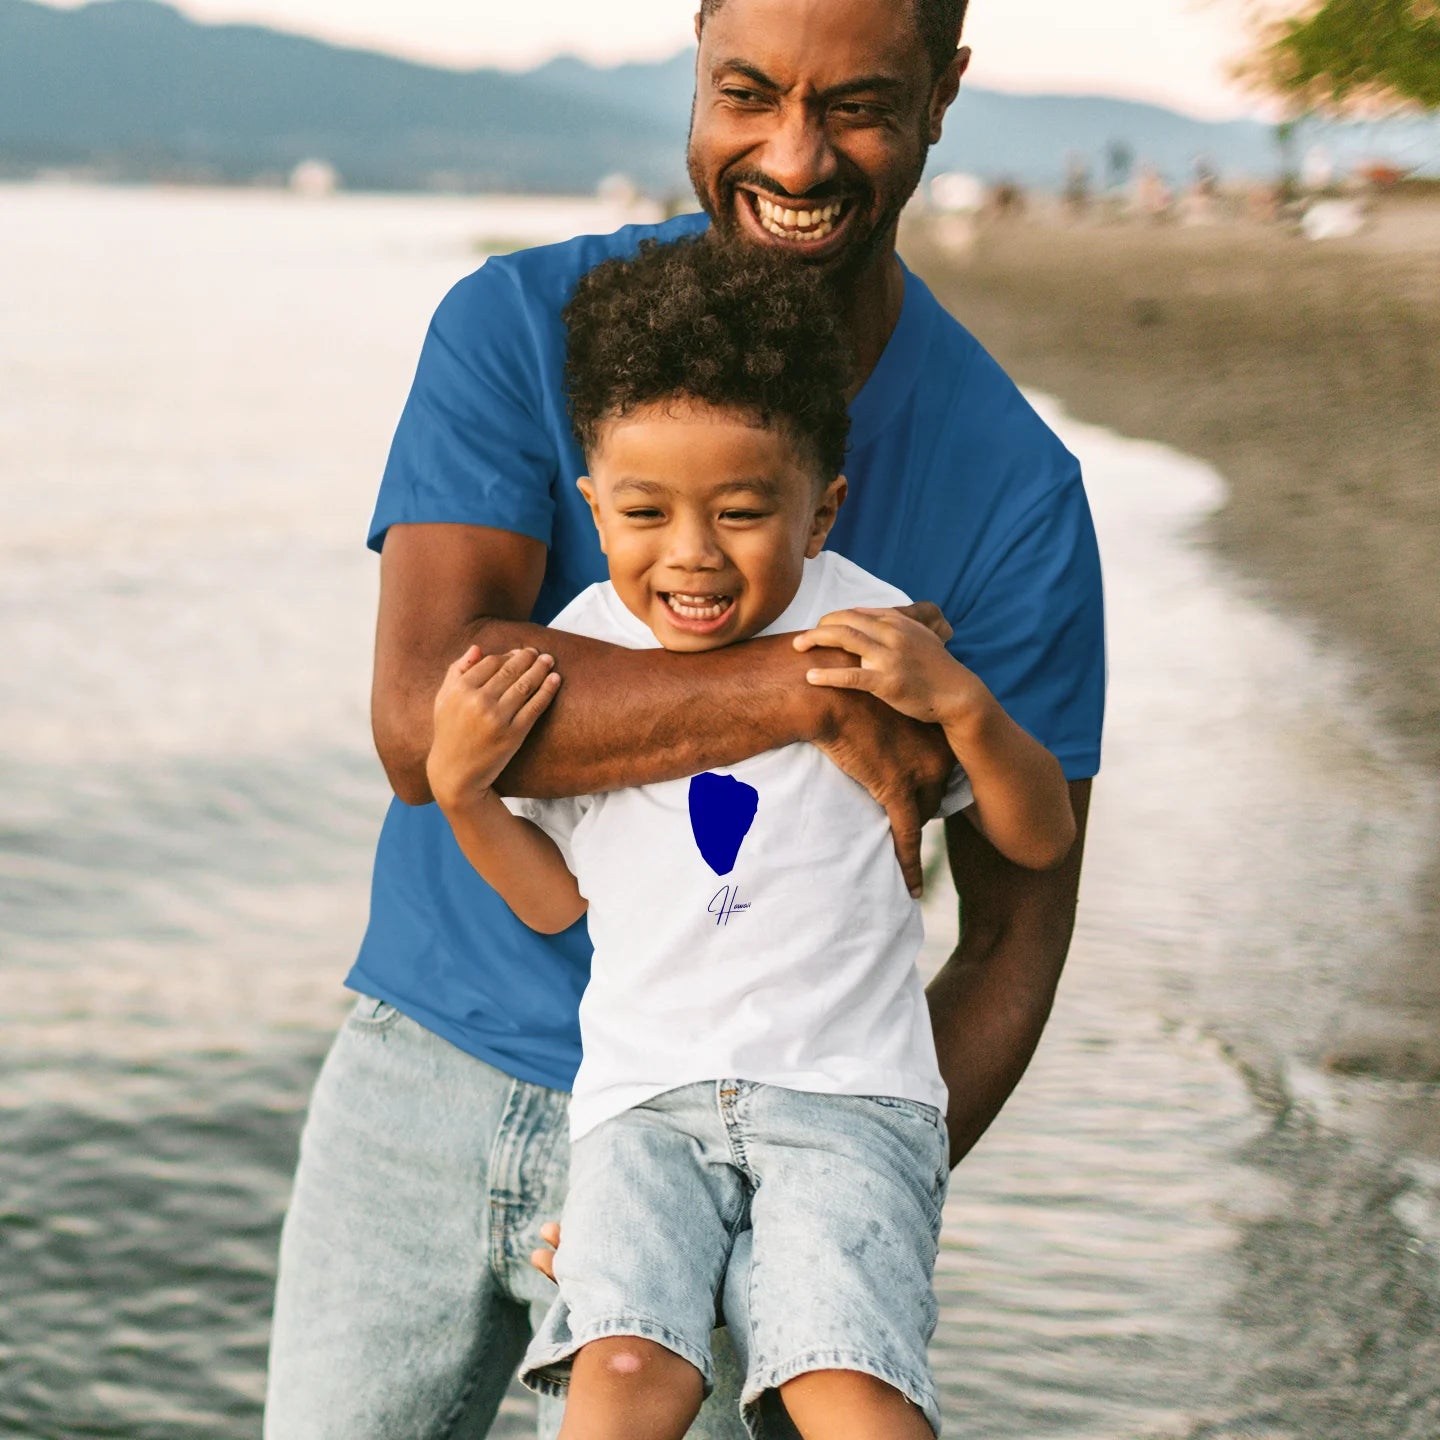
x=1308, y=375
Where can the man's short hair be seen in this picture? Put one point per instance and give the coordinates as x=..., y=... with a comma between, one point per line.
x=731, y=326
x=939, y=23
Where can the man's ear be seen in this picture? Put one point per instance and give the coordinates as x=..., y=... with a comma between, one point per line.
x=699, y=21
x=825, y=511
x=946, y=88
x=586, y=486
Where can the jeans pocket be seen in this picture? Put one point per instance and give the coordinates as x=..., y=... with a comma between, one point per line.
x=918, y=1108
x=370, y=1016
x=936, y=1144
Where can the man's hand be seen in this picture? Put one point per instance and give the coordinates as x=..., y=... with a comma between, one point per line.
x=543, y=1259
x=903, y=764
x=484, y=709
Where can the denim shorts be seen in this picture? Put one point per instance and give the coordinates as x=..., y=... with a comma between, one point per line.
x=810, y=1222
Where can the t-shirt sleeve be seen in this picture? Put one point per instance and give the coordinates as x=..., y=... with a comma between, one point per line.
x=958, y=794
x=1035, y=629
x=557, y=818
x=472, y=446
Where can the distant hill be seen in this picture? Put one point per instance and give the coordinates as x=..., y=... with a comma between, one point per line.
x=134, y=89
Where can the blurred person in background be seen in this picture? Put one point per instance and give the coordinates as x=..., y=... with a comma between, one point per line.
x=436, y=1140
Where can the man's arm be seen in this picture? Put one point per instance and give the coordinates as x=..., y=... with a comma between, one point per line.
x=623, y=717
x=990, y=1001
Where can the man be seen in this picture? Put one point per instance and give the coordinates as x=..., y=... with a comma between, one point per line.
x=435, y=1143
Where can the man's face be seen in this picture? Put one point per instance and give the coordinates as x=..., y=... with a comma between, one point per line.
x=706, y=518
x=811, y=123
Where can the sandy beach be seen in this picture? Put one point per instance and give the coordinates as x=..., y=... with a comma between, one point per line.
x=1308, y=375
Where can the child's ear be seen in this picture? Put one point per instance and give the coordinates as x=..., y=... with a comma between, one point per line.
x=825, y=512
x=586, y=486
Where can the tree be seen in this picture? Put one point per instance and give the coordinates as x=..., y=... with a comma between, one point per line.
x=1344, y=54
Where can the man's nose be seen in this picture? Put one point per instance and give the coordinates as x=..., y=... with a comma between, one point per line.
x=798, y=155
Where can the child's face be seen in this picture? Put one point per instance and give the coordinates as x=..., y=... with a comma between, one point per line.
x=706, y=519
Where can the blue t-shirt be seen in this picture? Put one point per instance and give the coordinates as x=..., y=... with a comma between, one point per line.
x=959, y=494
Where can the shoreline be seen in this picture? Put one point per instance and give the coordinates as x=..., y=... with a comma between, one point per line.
x=1307, y=375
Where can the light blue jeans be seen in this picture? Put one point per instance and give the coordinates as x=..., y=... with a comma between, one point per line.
x=812, y=1219
x=406, y=1296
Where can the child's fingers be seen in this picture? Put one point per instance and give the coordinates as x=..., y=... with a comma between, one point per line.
x=928, y=615
x=517, y=680
x=477, y=674
x=872, y=619
x=840, y=637
x=471, y=670
x=536, y=705
x=851, y=679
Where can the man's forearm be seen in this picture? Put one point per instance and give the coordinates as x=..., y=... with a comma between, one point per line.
x=990, y=1002
x=635, y=717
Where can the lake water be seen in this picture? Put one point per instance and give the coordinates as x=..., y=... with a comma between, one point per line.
x=1173, y=1232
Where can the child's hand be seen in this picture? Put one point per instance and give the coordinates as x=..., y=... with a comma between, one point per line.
x=903, y=662
x=485, y=707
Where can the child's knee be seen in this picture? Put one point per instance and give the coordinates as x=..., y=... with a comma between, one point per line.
x=634, y=1361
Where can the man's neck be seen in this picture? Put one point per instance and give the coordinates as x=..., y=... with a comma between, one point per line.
x=872, y=309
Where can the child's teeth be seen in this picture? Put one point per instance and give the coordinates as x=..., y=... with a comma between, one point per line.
x=698, y=607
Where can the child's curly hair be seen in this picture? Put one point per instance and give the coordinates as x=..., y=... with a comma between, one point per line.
x=694, y=319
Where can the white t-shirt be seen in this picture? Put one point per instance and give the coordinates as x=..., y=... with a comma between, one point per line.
x=751, y=923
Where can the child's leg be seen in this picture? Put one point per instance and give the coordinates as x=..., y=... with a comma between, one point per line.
x=646, y=1234
x=848, y=1405
x=845, y=1219
x=627, y=1388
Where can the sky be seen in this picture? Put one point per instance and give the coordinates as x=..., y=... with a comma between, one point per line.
x=1172, y=51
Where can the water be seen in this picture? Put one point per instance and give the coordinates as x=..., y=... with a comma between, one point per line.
x=1183, y=1226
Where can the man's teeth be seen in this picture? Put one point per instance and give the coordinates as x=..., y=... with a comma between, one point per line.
x=786, y=224
x=698, y=607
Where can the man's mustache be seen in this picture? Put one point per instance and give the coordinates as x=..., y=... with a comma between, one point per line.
x=757, y=180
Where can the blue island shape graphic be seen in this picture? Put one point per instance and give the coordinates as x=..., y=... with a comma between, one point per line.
x=722, y=809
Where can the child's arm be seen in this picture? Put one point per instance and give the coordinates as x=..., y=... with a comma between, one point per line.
x=484, y=709
x=1022, y=802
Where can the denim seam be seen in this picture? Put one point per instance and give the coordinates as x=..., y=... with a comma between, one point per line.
x=636, y=1326
x=503, y=1172
x=373, y=1023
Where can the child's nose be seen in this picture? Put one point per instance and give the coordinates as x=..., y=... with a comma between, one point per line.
x=693, y=546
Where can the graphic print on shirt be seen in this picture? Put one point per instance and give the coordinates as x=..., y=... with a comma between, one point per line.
x=722, y=810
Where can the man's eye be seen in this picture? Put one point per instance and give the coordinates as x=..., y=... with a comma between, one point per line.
x=738, y=95
x=858, y=110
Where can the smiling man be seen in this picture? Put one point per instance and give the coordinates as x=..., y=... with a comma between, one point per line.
x=435, y=1142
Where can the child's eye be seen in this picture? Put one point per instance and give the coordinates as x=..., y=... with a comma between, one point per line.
x=642, y=512
x=743, y=514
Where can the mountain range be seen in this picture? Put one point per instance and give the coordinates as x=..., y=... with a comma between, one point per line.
x=134, y=89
